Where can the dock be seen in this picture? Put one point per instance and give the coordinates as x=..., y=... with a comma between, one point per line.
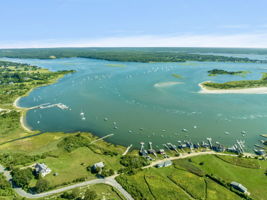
x=102, y=138
x=126, y=151
x=46, y=105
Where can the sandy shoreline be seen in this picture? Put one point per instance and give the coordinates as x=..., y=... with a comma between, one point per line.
x=23, y=113
x=260, y=90
x=167, y=84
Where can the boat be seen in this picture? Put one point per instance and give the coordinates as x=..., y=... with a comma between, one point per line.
x=184, y=130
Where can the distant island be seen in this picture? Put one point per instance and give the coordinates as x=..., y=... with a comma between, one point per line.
x=243, y=86
x=215, y=72
x=177, y=76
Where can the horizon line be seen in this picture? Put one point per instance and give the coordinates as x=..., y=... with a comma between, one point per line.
x=66, y=47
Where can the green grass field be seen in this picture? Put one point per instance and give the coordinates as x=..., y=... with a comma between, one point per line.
x=186, y=179
x=70, y=166
x=103, y=192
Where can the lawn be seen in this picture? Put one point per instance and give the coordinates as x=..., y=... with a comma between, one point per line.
x=186, y=179
x=103, y=192
x=70, y=166
x=191, y=183
x=254, y=179
x=218, y=192
x=242, y=162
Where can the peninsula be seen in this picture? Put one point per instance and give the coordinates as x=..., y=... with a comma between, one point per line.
x=243, y=86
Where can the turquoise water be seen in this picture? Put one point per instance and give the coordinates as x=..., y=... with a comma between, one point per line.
x=128, y=98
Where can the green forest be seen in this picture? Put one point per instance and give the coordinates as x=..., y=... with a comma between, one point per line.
x=123, y=54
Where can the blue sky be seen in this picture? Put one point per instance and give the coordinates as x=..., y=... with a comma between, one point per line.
x=205, y=23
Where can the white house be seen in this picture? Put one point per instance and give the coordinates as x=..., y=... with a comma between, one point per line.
x=164, y=164
x=42, y=169
x=98, y=165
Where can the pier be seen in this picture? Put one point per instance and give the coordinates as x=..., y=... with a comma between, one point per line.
x=46, y=105
x=126, y=151
x=102, y=138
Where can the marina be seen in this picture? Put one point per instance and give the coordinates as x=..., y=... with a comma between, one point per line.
x=238, y=148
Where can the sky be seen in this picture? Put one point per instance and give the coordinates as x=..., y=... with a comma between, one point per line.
x=133, y=23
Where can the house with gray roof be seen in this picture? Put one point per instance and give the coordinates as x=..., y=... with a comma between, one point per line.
x=42, y=169
x=164, y=164
x=239, y=187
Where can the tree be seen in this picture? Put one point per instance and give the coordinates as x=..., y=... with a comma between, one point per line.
x=134, y=161
x=41, y=185
x=67, y=195
x=107, y=172
x=90, y=195
x=22, y=177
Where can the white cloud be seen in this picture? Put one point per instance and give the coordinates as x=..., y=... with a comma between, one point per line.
x=255, y=40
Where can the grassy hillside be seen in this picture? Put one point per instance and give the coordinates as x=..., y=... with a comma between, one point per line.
x=187, y=179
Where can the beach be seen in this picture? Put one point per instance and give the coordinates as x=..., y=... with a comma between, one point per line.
x=23, y=110
x=205, y=90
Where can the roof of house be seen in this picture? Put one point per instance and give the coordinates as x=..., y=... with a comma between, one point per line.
x=41, y=166
x=238, y=185
x=99, y=164
x=164, y=164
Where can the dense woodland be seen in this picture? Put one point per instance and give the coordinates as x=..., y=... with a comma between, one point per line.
x=122, y=54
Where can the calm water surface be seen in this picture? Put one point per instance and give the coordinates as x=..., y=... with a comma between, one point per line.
x=137, y=110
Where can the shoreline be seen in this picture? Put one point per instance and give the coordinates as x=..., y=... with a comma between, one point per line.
x=205, y=90
x=23, y=110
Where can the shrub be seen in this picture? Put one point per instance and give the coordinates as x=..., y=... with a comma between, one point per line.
x=90, y=195
x=73, y=142
x=107, y=172
x=134, y=161
x=41, y=185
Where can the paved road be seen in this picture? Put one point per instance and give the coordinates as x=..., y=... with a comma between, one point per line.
x=109, y=180
x=186, y=155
